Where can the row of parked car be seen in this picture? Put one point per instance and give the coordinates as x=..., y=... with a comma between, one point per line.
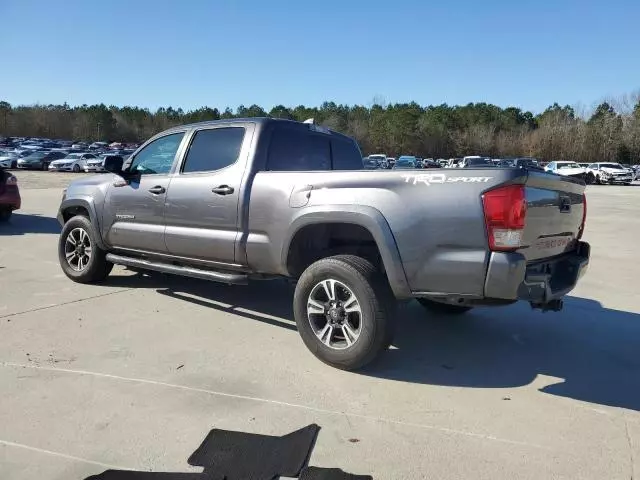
x=592, y=173
x=59, y=155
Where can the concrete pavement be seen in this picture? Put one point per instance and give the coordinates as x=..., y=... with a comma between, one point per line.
x=134, y=373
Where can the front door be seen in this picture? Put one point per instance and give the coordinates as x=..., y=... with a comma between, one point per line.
x=134, y=210
x=201, y=210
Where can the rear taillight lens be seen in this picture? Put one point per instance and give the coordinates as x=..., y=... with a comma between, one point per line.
x=584, y=216
x=505, y=212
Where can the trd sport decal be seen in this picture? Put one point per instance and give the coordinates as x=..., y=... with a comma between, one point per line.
x=437, y=178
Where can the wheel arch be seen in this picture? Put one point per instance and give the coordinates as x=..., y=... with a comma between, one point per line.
x=81, y=206
x=359, y=218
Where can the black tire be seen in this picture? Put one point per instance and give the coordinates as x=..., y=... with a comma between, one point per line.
x=76, y=168
x=377, y=305
x=97, y=268
x=443, y=308
x=14, y=164
x=590, y=179
x=5, y=215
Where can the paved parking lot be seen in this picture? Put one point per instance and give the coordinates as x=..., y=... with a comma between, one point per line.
x=134, y=373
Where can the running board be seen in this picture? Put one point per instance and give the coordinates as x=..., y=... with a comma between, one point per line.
x=223, y=277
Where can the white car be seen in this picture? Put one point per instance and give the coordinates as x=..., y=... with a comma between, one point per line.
x=74, y=162
x=606, y=172
x=9, y=159
x=566, y=169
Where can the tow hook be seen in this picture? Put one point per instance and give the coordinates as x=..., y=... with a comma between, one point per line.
x=553, y=306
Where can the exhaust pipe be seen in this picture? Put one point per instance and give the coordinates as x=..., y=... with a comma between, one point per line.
x=551, y=306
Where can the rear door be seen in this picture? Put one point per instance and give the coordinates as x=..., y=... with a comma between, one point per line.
x=134, y=210
x=204, y=196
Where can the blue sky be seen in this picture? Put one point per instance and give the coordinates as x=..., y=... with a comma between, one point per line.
x=221, y=53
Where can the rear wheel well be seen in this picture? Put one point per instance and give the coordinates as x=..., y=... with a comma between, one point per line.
x=71, y=212
x=313, y=242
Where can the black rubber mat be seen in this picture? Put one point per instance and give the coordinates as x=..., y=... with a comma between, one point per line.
x=317, y=473
x=247, y=456
x=130, y=475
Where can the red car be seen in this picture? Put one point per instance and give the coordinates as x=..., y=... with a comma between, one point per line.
x=9, y=195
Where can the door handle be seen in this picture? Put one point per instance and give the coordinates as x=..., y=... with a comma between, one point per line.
x=222, y=190
x=157, y=190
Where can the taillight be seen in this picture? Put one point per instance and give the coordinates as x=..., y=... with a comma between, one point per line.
x=505, y=212
x=584, y=216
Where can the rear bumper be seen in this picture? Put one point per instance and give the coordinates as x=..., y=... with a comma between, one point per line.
x=510, y=277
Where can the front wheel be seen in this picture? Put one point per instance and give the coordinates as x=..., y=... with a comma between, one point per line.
x=81, y=259
x=344, y=311
x=76, y=168
x=443, y=308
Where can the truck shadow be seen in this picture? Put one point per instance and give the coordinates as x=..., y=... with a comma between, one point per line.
x=21, y=224
x=586, y=352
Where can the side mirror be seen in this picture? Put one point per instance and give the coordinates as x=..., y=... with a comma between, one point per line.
x=113, y=164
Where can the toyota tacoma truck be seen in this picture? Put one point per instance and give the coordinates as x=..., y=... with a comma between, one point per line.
x=239, y=200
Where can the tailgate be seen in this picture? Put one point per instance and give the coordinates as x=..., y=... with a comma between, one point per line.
x=555, y=209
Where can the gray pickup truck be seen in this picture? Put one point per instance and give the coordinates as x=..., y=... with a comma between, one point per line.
x=237, y=200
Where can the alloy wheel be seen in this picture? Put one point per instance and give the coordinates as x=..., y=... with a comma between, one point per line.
x=78, y=249
x=334, y=314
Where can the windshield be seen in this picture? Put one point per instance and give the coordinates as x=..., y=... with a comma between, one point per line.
x=612, y=165
x=73, y=156
x=568, y=165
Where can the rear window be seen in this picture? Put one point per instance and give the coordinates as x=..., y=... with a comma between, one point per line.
x=346, y=155
x=297, y=150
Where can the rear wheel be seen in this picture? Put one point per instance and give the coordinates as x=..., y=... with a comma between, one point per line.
x=443, y=308
x=590, y=179
x=81, y=259
x=344, y=311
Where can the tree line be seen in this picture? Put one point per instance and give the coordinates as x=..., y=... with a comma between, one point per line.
x=610, y=133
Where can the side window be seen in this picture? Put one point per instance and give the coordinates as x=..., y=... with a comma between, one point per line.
x=213, y=149
x=158, y=156
x=346, y=155
x=298, y=151
x=552, y=166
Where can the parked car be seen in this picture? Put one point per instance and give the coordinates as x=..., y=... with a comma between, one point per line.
x=9, y=195
x=9, y=159
x=566, y=169
x=39, y=160
x=236, y=200
x=475, y=162
x=380, y=159
x=370, y=163
x=73, y=162
x=527, y=162
x=391, y=161
x=405, y=162
x=606, y=172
